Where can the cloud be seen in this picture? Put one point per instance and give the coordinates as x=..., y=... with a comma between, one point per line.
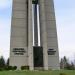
x=5, y=3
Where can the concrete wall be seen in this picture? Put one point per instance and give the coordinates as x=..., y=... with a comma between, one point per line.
x=49, y=33
x=52, y=43
x=30, y=36
x=19, y=33
x=43, y=33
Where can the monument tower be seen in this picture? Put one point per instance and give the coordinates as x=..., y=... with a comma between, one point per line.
x=34, y=35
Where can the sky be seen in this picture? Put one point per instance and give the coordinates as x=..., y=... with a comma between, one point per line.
x=65, y=20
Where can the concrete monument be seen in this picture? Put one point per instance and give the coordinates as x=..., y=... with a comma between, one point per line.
x=34, y=35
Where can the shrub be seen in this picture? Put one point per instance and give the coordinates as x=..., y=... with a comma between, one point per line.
x=62, y=74
x=1, y=69
x=10, y=67
x=24, y=67
x=14, y=67
x=6, y=68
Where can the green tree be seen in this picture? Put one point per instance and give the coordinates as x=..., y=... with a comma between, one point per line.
x=65, y=60
x=61, y=64
x=7, y=63
x=2, y=62
x=65, y=64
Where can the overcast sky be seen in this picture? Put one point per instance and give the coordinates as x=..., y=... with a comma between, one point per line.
x=65, y=19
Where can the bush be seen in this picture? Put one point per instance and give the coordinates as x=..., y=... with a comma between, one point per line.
x=14, y=67
x=1, y=69
x=6, y=68
x=62, y=74
x=10, y=67
x=24, y=67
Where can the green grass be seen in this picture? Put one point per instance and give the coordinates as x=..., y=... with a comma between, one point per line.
x=29, y=73
x=67, y=72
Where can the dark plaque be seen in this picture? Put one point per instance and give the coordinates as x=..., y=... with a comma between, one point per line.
x=51, y=52
x=19, y=51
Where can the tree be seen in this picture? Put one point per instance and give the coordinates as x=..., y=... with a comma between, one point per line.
x=7, y=63
x=2, y=62
x=61, y=64
x=65, y=64
x=70, y=66
x=65, y=60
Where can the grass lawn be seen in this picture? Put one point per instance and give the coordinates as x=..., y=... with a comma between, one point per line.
x=67, y=72
x=29, y=73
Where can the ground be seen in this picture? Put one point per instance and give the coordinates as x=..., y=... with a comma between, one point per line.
x=67, y=72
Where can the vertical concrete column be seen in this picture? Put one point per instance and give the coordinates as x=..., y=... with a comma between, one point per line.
x=18, y=40
x=52, y=43
x=30, y=36
x=43, y=33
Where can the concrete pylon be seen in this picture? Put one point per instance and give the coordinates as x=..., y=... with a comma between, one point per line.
x=34, y=35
